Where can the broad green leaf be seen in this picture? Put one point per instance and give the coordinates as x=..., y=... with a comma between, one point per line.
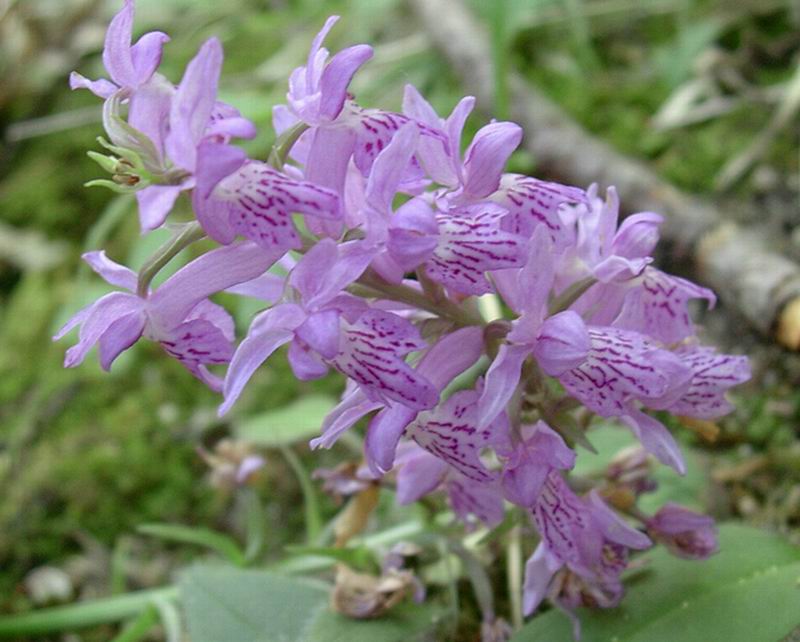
x=298, y=421
x=222, y=603
x=748, y=591
x=217, y=542
x=404, y=624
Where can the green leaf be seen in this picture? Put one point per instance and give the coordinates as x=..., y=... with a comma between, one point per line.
x=298, y=421
x=751, y=585
x=218, y=542
x=256, y=606
x=405, y=623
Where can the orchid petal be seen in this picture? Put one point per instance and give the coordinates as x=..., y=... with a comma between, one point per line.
x=269, y=331
x=120, y=336
x=213, y=272
x=501, y=382
x=337, y=76
x=111, y=271
x=487, y=156
x=193, y=103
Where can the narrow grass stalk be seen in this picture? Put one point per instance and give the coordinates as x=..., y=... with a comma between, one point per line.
x=310, y=500
x=76, y=616
x=139, y=627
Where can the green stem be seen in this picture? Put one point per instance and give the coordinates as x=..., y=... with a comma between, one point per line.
x=190, y=233
x=310, y=500
x=481, y=585
x=404, y=294
x=570, y=295
x=282, y=147
x=255, y=524
x=514, y=572
x=74, y=616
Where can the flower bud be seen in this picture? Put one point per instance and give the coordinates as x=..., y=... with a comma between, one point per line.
x=685, y=533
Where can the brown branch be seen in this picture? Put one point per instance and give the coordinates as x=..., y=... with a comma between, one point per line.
x=735, y=260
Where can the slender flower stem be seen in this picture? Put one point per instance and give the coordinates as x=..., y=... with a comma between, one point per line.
x=571, y=294
x=404, y=294
x=514, y=572
x=65, y=618
x=282, y=147
x=481, y=585
x=190, y=233
x=310, y=500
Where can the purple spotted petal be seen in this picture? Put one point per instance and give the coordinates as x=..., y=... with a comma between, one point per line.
x=449, y=357
x=374, y=129
x=450, y=433
x=712, y=375
x=259, y=202
x=533, y=203
x=561, y=519
x=371, y=354
x=470, y=244
x=623, y=365
x=659, y=306
x=486, y=158
x=196, y=344
x=226, y=122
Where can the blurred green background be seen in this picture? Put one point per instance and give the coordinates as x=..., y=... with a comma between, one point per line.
x=684, y=85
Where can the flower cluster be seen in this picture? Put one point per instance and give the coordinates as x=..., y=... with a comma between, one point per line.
x=385, y=235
